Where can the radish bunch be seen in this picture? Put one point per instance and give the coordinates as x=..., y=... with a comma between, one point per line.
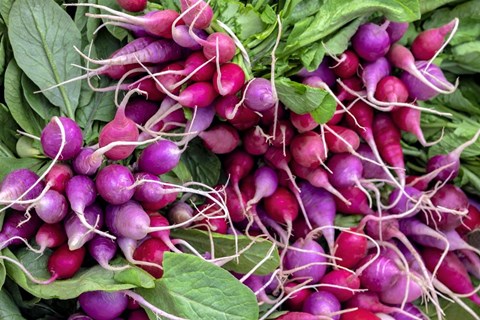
x=288, y=176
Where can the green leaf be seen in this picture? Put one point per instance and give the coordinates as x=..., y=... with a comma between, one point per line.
x=117, y=32
x=8, y=309
x=195, y=289
x=10, y=164
x=453, y=139
x=242, y=19
x=38, y=102
x=430, y=5
x=303, y=99
x=94, y=278
x=8, y=129
x=203, y=165
x=43, y=35
x=466, y=55
x=334, y=14
x=3, y=57
x=19, y=109
x=5, y=6
x=225, y=246
x=135, y=276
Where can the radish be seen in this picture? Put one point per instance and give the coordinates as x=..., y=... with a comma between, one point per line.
x=470, y=222
x=16, y=229
x=238, y=165
x=77, y=233
x=50, y=236
x=200, y=17
x=266, y=183
x=412, y=311
x=181, y=36
x=320, y=209
x=180, y=213
x=336, y=145
x=396, y=30
x=371, y=41
x=52, y=207
x=427, y=43
x=58, y=177
x=408, y=119
x=230, y=108
x=390, y=89
x=424, y=81
x=357, y=202
x=220, y=139
x=103, y=305
x=103, y=250
x=295, y=301
x=159, y=157
x=380, y=275
x=346, y=86
x=307, y=264
x=452, y=159
x=324, y=71
x=65, y=263
x=138, y=315
x=348, y=65
x=322, y=303
x=259, y=95
x=292, y=315
x=86, y=163
x=133, y=6
x=20, y=185
x=151, y=250
x=303, y=122
x=254, y=141
x=281, y=206
x=228, y=79
x=405, y=289
x=51, y=138
x=359, y=314
x=283, y=135
x=308, y=149
x=140, y=110
x=342, y=283
x=148, y=192
x=450, y=271
x=114, y=184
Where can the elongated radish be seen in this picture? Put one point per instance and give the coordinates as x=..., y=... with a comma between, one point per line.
x=429, y=42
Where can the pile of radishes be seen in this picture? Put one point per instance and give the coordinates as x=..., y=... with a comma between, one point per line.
x=288, y=176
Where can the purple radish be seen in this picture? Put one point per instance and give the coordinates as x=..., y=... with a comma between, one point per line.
x=115, y=184
x=324, y=72
x=312, y=254
x=396, y=30
x=77, y=233
x=180, y=213
x=380, y=275
x=220, y=139
x=371, y=41
x=149, y=192
x=20, y=184
x=52, y=207
x=322, y=303
x=259, y=95
x=17, y=228
x=103, y=250
x=51, y=138
x=254, y=141
x=266, y=183
x=103, y=305
x=405, y=289
x=159, y=157
x=140, y=110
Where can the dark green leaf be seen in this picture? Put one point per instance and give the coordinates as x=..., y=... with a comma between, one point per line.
x=466, y=55
x=225, y=246
x=19, y=109
x=347, y=221
x=195, y=289
x=3, y=58
x=333, y=14
x=430, y=5
x=303, y=99
x=94, y=278
x=43, y=35
x=8, y=129
x=203, y=165
x=9, y=164
x=8, y=309
x=38, y=102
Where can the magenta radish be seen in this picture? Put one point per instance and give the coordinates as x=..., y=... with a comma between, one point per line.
x=16, y=228
x=238, y=165
x=240, y=117
x=52, y=207
x=348, y=65
x=58, y=177
x=228, y=79
x=452, y=158
x=359, y=314
x=151, y=250
x=194, y=61
x=396, y=30
x=351, y=247
x=103, y=250
x=77, y=233
x=64, y=263
x=198, y=94
x=259, y=95
x=120, y=129
x=308, y=149
x=281, y=206
x=159, y=157
x=408, y=119
x=381, y=274
x=201, y=15
x=283, y=135
x=401, y=204
x=344, y=281
x=320, y=209
x=371, y=41
x=451, y=203
x=451, y=272
x=317, y=177
x=337, y=116
x=140, y=110
x=303, y=122
x=369, y=301
x=115, y=184
x=51, y=138
x=429, y=42
x=337, y=145
x=220, y=139
x=308, y=264
x=405, y=289
x=353, y=84
x=295, y=301
x=412, y=311
x=424, y=81
x=391, y=89
x=266, y=183
x=103, y=305
x=357, y=201
x=293, y=315
x=346, y=170
x=50, y=236
x=20, y=184
x=254, y=141
x=132, y=6
x=387, y=138
x=139, y=314
x=322, y=303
